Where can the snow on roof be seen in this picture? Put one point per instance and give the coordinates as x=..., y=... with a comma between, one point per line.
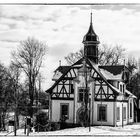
x=96, y=66
x=115, y=69
x=110, y=76
x=57, y=75
x=115, y=89
x=128, y=92
x=62, y=69
x=80, y=65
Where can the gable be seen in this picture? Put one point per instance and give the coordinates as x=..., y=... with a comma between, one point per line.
x=63, y=87
x=119, y=72
x=97, y=75
x=69, y=72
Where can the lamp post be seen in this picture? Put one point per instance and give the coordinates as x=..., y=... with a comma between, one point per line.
x=86, y=97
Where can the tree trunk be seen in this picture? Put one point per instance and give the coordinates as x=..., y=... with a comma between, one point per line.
x=3, y=121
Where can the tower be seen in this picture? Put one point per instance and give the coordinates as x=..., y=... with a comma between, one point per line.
x=91, y=42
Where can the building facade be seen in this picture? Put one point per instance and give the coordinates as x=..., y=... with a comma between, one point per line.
x=86, y=91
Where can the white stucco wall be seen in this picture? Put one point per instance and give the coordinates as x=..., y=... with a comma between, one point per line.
x=128, y=118
x=120, y=105
x=56, y=110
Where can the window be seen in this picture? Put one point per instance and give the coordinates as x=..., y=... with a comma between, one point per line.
x=118, y=85
x=64, y=111
x=81, y=94
x=124, y=113
x=121, y=88
x=102, y=113
x=118, y=113
x=130, y=109
x=71, y=88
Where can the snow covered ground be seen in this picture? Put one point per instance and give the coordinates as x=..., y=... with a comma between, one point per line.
x=128, y=130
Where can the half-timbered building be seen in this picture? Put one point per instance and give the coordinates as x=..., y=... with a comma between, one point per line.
x=87, y=85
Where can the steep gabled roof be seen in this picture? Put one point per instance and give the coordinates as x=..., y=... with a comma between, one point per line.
x=115, y=70
x=96, y=68
x=130, y=94
x=65, y=70
x=110, y=76
x=62, y=69
x=118, y=72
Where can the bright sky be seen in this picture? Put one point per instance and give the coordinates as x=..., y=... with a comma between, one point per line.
x=63, y=27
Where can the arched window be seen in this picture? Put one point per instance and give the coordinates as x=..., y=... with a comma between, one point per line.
x=121, y=88
x=131, y=109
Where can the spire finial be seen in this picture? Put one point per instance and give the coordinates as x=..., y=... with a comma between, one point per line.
x=59, y=62
x=91, y=17
x=124, y=62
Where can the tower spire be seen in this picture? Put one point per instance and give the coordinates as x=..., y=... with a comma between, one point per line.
x=91, y=17
x=91, y=42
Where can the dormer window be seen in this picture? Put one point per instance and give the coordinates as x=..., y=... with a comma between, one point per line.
x=122, y=87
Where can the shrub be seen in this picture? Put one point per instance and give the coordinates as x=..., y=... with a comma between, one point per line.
x=41, y=121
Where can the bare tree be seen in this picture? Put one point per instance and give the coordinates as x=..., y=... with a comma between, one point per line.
x=73, y=57
x=111, y=55
x=108, y=55
x=132, y=63
x=29, y=57
x=15, y=72
x=6, y=94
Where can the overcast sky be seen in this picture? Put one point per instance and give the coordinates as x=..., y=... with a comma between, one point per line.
x=62, y=28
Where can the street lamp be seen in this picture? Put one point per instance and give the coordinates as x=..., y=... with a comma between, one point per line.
x=85, y=73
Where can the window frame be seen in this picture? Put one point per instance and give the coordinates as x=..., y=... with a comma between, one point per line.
x=61, y=104
x=124, y=113
x=98, y=113
x=79, y=101
x=118, y=114
x=121, y=88
x=130, y=113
